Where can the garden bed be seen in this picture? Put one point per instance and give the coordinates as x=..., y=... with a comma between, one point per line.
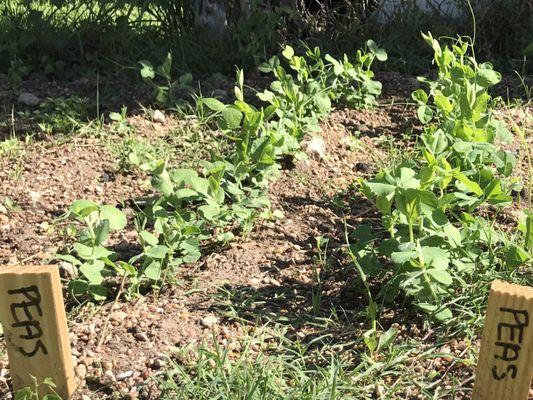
x=259, y=291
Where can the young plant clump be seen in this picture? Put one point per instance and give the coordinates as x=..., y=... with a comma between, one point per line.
x=230, y=192
x=433, y=207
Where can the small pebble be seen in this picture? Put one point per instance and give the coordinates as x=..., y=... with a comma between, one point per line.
x=124, y=375
x=209, y=321
x=159, y=117
x=81, y=371
x=107, y=365
x=141, y=337
x=109, y=377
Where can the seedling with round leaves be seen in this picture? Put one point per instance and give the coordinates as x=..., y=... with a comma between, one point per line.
x=94, y=261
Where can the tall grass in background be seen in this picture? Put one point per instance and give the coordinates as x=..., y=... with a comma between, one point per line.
x=47, y=36
x=72, y=38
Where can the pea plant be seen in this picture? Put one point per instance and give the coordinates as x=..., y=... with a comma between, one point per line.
x=33, y=392
x=430, y=206
x=164, y=86
x=94, y=261
x=253, y=163
x=465, y=132
x=227, y=194
x=176, y=226
x=302, y=95
x=354, y=80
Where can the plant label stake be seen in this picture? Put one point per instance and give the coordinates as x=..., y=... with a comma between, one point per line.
x=505, y=365
x=32, y=313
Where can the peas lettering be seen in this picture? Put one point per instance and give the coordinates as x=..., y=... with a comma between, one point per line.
x=510, y=336
x=25, y=313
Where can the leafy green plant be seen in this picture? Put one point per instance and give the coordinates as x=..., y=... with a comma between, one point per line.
x=120, y=120
x=304, y=97
x=465, y=132
x=61, y=115
x=300, y=100
x=436, y=241
x=171, y=227
x=354, y=81
x=93, y=260
x=192, y=208
x=229, y=192
x=12, y=146
x=254, y=160
x=164, y=86
x=9, y=205
x=135, y=153
x=138, y=154
x=32, y=393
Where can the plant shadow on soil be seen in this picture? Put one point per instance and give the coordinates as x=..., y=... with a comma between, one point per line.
x=341, y=310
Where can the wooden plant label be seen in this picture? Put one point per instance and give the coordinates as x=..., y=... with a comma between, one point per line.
x=505, y=365
x=32, y=313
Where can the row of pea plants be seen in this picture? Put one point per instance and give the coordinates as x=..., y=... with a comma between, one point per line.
x=439, y=208
x=193, y=208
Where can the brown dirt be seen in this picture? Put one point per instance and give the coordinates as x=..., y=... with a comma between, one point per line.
x=43, y=182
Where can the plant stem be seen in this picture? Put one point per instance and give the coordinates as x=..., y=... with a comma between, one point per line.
x=106, y=323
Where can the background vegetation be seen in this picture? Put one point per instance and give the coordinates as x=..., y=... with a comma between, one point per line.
x=69, y=38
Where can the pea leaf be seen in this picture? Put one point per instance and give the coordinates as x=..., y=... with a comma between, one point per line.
x=440, y=275
x=436, y=257
x=487, y=77
x=149, y=238
x=101, y=232
x=147, y=70
x=93, y=272
x=161, y=180
x=98, y=292
x=288, y=52
x=117, y=219
x=153, y=270
x=443, y=314
x=439, y=313
x=91, y=253
x=78, y=287
x=380, y=189
x=515, y=257
x=208, y=212
x=469, y=185
x=420, y=96
x=83, y=208
x=186, y=194
x=425, y=114
x=443, y=103
x=232, y=118
x=213, y=104
x=380, y=54
x=158, y=252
